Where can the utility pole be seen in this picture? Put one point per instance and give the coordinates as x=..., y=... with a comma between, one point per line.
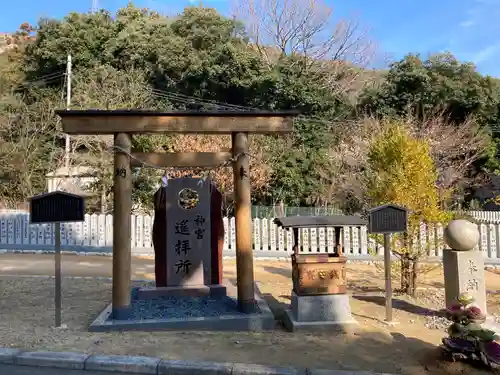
x=67, y=149
x=94, y=6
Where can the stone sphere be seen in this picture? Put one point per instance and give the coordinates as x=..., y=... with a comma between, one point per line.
x=461, y=235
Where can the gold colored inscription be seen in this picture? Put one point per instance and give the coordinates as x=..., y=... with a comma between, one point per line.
x=334, y=274
x=311, y=274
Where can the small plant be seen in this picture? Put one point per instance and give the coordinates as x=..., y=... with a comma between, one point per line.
x=467, y=339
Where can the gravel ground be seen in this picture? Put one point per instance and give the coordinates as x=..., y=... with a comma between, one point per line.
x=26, y=307
x=435, y=319
x=409, y=348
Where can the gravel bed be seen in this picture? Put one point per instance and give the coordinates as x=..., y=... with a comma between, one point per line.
x=437, y=322
x=181, y=307
x=434, y=298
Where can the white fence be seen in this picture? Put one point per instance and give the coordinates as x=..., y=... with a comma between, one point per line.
x=95, y=235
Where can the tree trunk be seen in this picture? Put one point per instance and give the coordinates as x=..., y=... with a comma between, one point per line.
x=405, y=266
x=414, y=274
x=103, y=200
x=281, y=209
x=405, y=273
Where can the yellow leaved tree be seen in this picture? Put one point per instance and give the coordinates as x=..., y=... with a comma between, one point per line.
x=401, y=171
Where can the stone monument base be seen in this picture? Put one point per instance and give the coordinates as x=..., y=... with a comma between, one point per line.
x=171, y=312
x=319, y=313
x=464, y=273
x=215, y=291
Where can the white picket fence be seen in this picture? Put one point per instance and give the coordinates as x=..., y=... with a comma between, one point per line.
x=485, y=216
x=95, y=235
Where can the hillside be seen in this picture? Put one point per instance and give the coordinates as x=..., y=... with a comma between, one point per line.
x=6, y=42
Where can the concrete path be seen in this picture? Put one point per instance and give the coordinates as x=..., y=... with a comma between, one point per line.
x=72, y=265
x=18, y=264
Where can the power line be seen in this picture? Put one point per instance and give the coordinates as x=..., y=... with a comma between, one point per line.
x=196, y=101
x=186, y=99
x=46, y=76
x=49, y=78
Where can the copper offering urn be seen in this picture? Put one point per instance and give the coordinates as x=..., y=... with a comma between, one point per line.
x=314, y=274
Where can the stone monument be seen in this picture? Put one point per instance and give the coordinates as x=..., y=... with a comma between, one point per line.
x=189, y=260
x=188, y=242
x=463, y=266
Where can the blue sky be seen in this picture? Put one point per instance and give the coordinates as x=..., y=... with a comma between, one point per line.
x=468, y=28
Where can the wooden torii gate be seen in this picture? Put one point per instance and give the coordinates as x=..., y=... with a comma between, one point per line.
x=124, y=123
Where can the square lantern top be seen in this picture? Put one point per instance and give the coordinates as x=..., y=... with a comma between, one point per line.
x=388, y=218
x=319, y=221
x=56, y=207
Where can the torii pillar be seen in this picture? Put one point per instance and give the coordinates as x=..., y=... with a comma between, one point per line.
x=243, y=221
x=122, y=210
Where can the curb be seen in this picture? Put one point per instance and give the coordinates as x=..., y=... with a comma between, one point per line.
x=150, y=365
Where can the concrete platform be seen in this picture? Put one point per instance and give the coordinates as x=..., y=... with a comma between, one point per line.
x=320, y=313
x=261, y=320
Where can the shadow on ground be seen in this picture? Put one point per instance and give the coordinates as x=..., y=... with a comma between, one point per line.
x=287, y=272
x=276, y=306
x=398, y=304
x=368, y=350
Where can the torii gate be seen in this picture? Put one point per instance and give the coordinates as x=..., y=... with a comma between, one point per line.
x=124, y=123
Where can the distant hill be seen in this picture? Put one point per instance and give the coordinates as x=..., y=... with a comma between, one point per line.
x=6, y=42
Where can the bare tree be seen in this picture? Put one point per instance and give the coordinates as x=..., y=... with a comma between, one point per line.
x=345, y=178
x=307, y=28
x=28, y=149
x=104, y=87
x=304, y=27
x=223, y=177
x=454, y=148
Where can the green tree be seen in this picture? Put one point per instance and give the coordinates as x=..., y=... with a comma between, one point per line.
x=421, y=88
x=441, y=82
x=204, y=55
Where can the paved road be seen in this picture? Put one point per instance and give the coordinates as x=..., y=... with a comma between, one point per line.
x=72, y=265
x=16, y=264
x=28, y=370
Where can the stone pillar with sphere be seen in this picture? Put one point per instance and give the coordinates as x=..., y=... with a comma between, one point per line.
x=463, y=265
